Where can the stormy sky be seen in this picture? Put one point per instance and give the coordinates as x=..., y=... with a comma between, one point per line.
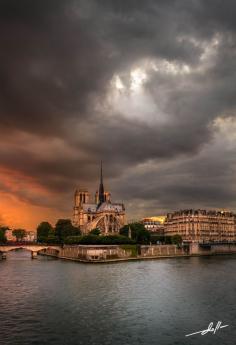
x=146, y=86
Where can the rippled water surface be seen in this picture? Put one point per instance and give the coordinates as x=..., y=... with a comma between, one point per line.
x=47, y=301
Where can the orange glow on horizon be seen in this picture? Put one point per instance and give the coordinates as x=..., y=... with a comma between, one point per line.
x=18, y=214
x=17, y=209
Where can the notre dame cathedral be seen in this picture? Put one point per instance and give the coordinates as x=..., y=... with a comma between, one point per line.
x=102, y=213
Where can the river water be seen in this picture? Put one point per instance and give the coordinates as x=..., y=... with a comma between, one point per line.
x=55, y=302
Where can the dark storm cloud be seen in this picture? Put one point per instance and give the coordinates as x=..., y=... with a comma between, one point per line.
x=57, y=60
x=51, y=64
x=205, y=180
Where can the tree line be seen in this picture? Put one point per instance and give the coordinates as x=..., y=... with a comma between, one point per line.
x=19, y=234
x=65, y=232
x=46, y=233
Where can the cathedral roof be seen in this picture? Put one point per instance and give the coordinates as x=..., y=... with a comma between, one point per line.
x=108, y=206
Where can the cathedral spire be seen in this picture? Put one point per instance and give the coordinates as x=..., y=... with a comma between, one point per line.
x=101, y=175
x=101, y=188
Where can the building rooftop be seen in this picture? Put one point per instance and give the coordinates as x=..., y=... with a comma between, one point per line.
x=193, y=212
x=110, y=207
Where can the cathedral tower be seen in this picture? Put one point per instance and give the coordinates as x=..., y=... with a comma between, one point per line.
x=81, y=197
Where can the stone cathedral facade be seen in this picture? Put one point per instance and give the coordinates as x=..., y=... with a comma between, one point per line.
x=103, y=214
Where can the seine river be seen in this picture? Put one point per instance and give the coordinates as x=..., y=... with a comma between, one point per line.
x=53, y=302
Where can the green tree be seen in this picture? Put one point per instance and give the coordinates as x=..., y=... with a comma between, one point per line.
x=168, y=240
x=44, y=229
x=95, y=231
x=176, y=239
x=52, y=239
x=138, y=232
x=73, y=239
x=64, y=228
x=19, y=234
x=94, y=239
x=155, y=238
x=3, y=230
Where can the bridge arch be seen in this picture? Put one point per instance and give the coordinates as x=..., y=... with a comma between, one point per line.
x=34, y=249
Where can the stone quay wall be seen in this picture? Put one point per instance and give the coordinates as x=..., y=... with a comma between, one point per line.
x=101, y=253
x=109, y=253
x=212, y=249
x=161, y=250
x=90, y=253
x=96, y=252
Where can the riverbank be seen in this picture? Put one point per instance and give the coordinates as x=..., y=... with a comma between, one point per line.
x=121, y=253
x=138, y=258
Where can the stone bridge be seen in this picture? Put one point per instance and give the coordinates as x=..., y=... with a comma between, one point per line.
x=33, y=248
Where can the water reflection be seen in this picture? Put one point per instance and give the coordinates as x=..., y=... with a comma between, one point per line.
x=49, y=301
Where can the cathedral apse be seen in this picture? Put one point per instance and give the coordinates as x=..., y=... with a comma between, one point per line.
x=102, y=213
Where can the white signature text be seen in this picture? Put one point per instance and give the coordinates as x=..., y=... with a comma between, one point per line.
x=210, y=329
